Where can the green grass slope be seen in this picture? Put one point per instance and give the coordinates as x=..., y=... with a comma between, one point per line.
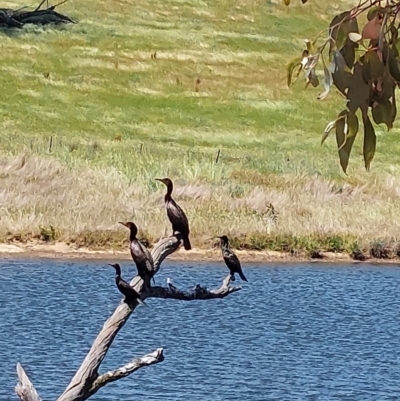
x=137, y=91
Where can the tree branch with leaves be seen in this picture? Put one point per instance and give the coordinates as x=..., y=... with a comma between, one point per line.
x=363, y=65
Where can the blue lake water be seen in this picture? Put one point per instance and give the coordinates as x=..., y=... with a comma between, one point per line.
x=302, y=332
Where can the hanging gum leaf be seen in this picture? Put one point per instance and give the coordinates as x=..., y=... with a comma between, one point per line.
x=328, y=81
x=352, y=129
x=382, y=113
x=393, y=65
x=296, y=62
x=349, y=137
x=328, y=130
x=337, y=29
x=345, y=144
x=340, y=28
x=369, y=141
x=388, y=87
x=358, y=92
x=375, y=64
x=393, y=112
x=341, y=74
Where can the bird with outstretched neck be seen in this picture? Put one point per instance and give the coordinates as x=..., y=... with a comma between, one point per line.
x=231, y=260
x=140, y=254
x=125, y=289
x=176, y=215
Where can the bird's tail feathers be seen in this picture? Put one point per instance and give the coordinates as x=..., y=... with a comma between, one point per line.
x=242, y=276
x=186, y=244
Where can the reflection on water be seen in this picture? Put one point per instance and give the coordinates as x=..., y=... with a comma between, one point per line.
x=304, y=332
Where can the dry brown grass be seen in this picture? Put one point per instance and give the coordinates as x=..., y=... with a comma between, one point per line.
x=43, y=199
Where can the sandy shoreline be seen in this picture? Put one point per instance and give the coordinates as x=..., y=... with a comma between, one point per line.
x=62, y=251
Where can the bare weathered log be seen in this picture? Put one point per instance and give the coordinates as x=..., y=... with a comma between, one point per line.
x=81, y=383
x=24, y=387
x=124, y=371
x=18, y=18
x=87, y=379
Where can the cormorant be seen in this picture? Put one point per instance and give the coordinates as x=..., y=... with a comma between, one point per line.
x=176, y=215
x=125, y=289
x=140, y=254
x=231, y=260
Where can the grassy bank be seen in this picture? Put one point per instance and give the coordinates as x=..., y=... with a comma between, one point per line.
x=117, y=117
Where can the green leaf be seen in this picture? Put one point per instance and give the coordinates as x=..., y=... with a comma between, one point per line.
x=377, y=68
x=296, y=62
x=393, y=112
x=393, y=64
x=343, y=140
x=341, y=75
x=382, y=113
x=339, y=29
x=350, y=132
x=328, y=81
x=334, y=29
x=331, y=125
x=358, y=92
x=372, y=12
x=369, y=141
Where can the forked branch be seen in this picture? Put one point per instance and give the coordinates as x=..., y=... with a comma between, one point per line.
x=197, y=292
x=126, y=370
x=24, y=387
x=87, y=380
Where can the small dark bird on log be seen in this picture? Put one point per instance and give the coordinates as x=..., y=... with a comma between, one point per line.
x=140, y=254
x=124, y=288
x=176, y=215
x=231, y=260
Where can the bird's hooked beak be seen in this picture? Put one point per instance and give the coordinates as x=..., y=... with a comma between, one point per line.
x=161, y=180
x=124, y=224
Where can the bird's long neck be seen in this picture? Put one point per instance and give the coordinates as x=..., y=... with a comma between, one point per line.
x=224, y=245
x=132, y=236
x=168, y=196
x=117, y=272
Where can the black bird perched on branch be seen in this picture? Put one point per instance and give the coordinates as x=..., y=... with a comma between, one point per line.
x=140, y=254
x=231, y=260
x=124, y=288
x=175, y=214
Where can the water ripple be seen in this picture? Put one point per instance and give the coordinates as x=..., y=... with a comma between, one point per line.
x=315, y=332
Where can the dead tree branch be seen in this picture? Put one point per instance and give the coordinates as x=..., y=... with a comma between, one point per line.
x=87, y=380
x=24, y=387
x=17, y=18
x=197, y=292
x=124, y=371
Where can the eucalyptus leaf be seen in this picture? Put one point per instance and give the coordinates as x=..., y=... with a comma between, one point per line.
x=369, y=141
x=328, y=81
x=296, y=62
x=344, y=144
x=350, y=131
